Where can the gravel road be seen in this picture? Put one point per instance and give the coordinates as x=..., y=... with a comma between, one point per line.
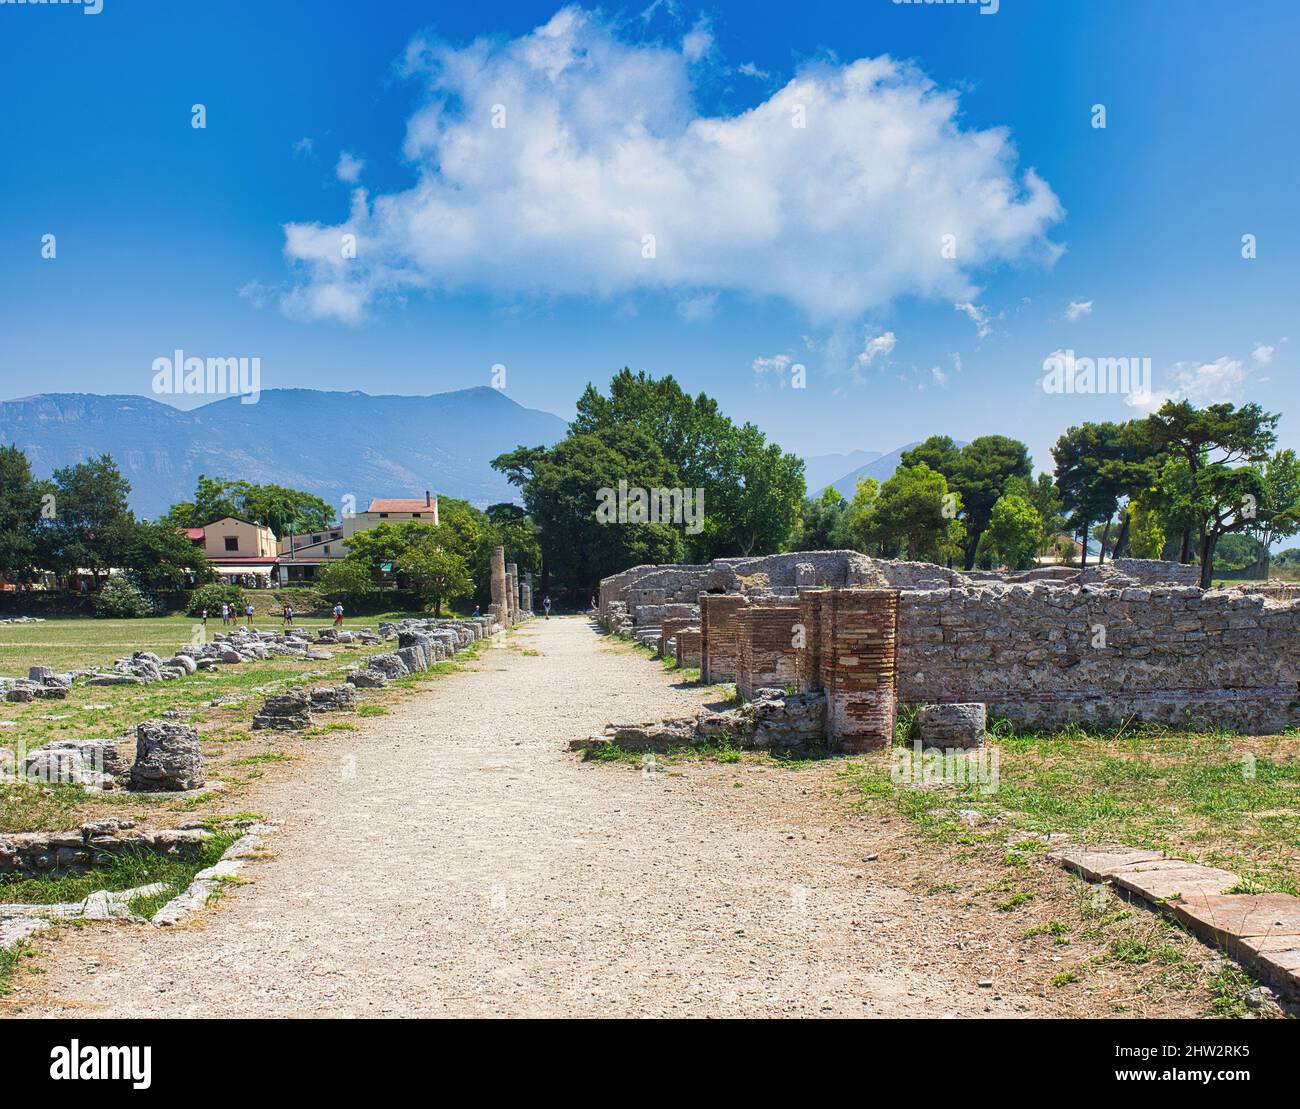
x=453, y=859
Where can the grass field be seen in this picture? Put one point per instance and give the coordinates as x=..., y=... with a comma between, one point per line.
x=233, y=753
x=69, y=642
x=1220, y=799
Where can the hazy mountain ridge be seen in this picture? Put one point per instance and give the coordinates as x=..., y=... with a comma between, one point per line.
x=328, y=443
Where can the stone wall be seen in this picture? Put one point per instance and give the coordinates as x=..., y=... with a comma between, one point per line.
x=1043, y=648
x=95, y=843
x=1044, y=655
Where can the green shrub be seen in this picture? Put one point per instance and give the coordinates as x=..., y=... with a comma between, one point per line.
x=211, y=596
x=345, y=580
x=122, y=599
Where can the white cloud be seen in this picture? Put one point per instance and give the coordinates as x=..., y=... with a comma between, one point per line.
x=698, y=41
x=1263, y=354
x=255, y=293
x=604, y=145
x=749, y=69
x=349, y=168
x=1077, y=309
x=1202, y=383
x=304, y=148
x=775, y=368
x=939, y=377
x=696, y=309
x=956, y=361
x=776, y=364
x=881, y=345
x=979, y=316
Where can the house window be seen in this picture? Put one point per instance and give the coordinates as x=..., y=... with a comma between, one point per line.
x=327, y=548
x=335, y=534
x=383, y=515
x=232, y=542
x=315, y=538
x=415, y=515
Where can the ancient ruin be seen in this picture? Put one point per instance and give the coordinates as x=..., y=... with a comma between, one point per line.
x=1131, y=640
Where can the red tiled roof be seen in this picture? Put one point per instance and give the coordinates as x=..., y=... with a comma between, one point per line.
x=194, y=533
x=399, y=504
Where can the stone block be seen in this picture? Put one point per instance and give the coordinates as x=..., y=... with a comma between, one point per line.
x=167, y=757
x=952, y=725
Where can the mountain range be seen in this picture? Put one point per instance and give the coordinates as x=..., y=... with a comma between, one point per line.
x=327, y=443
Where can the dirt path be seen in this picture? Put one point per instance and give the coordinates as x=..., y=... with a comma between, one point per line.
x=454, y=859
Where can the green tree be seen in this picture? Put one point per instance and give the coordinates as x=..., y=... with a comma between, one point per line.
x=1217, y=487
x=282, y=509
x=1278, y=517
x=347, y=580
x=92, y=525
x=978, y=473
x=20, y=517
x=822, y=523
x=436, y=575
x=564, y=486
x=912, y=512
x=1014, y=532
x=752, y=489
x=162, y=559
x=1097, y=464
x=1146, y=535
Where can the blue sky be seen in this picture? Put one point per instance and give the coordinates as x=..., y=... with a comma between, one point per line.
x=775, y=246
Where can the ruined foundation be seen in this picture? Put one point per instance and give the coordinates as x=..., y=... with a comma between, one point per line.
x=1131, y=639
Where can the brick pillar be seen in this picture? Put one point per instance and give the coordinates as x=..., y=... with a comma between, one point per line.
x=808, y=663
x=668, y=629
x=499, y=603
x=718, y=612
x=688, y=646
x=859, y=666
x=765, y=647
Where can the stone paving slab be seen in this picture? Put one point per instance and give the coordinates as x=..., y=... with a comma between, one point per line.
x=1254, y=915
x=1097, y=866
x=1169, y=878
x=1259, y=930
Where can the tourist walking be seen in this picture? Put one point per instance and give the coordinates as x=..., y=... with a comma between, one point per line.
x=248, y=613
x=225, y=614
x=288, y=615
x=546, y=604
x=338, y=615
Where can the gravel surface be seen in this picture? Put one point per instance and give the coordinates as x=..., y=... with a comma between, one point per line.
x=454, y=859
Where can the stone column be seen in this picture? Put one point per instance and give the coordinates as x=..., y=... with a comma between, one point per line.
x=499, y=597
x=526, y=594
x=512, y=587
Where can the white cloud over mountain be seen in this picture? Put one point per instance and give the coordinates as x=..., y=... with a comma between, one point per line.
x=601, y=177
